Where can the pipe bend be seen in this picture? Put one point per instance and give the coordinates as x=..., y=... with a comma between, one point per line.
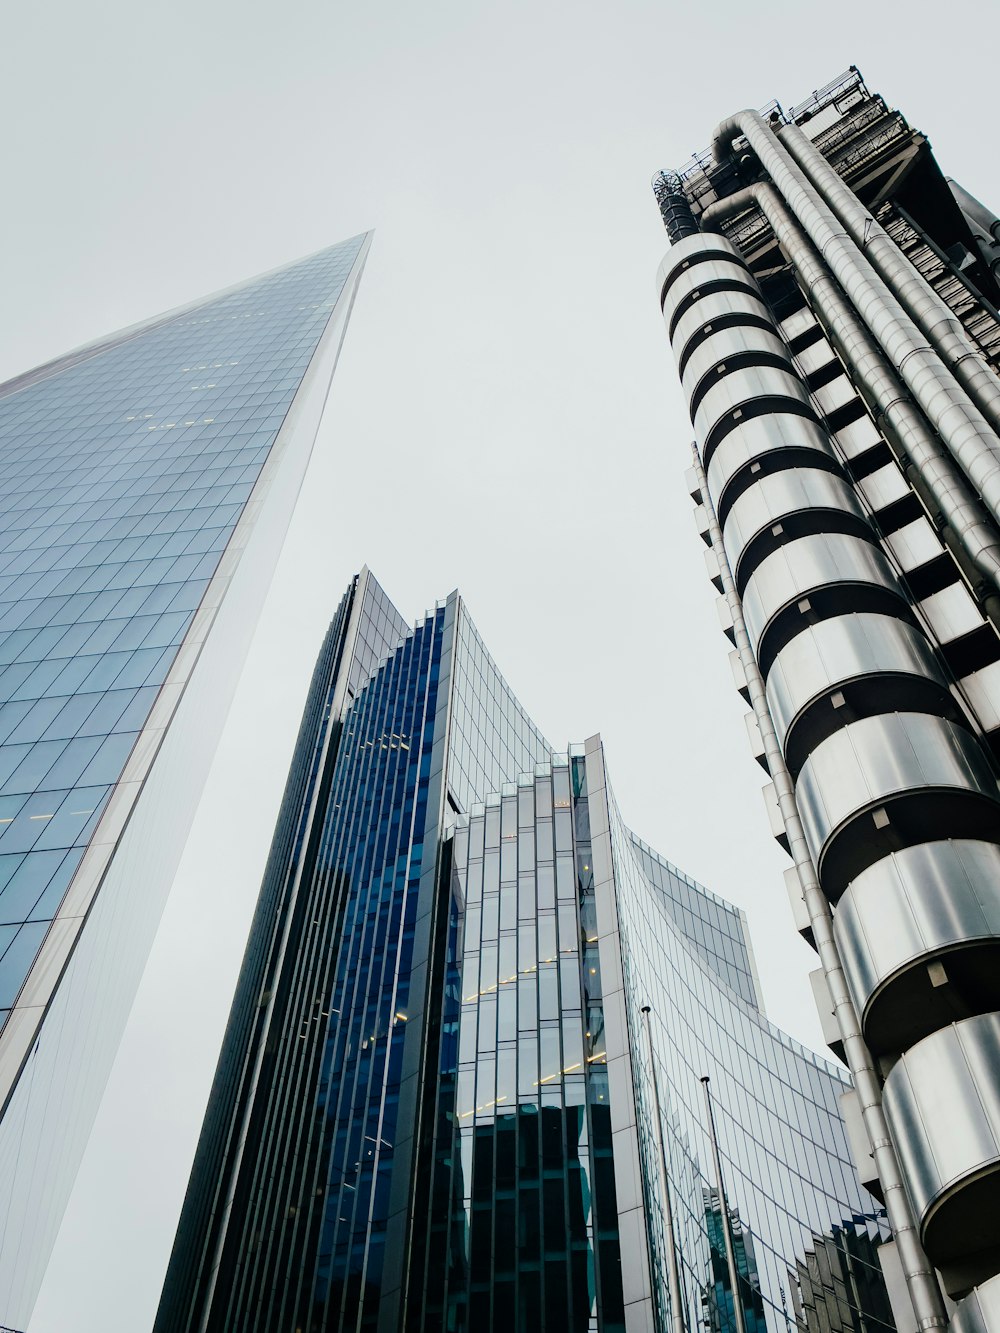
x=729, y=130
x=761, y=192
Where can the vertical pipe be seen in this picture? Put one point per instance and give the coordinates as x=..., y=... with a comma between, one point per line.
x=727, y=1233
x=929, y=311
x=870, y=370
x=677, y=1324
x=968, y=435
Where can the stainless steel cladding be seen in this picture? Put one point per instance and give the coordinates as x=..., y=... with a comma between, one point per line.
x=828, y=573
x=890, y=779
x=785, y=505
x=857, y=661
x=919, y=932
x=841, y=372
x=980, y=1311
x=943, y=1103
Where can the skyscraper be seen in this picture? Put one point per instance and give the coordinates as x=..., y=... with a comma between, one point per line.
x=832, y=302
x=436, y=1105
x=148, y=483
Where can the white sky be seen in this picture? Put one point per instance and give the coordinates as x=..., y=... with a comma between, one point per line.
x=505, y=417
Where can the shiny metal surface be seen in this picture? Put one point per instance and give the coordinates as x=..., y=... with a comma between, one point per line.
x=836, y=562
x=764, y=440
x=694, y=280
x=897, y=778
x=982, y=691
x=687, y=254
x=952, y=613
x=719, y=347
x=942, y=1101
x=719, y=305
x=979, y=1312
x=741, y=387
x=815, y=357
x=936, y=900
x=807, y=493
x=869, y=360
x=959, y=358
x=836, y=394
x=967, y=433
x=884, y=487
x=861, y=650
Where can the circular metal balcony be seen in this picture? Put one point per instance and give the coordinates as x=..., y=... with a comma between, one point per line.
x=814, y=578
x=849, y=667
x=980, y=1311
x=712, y=314
x=783, y=506
x=919, y=937
x=716, y=273
x=888, y=782
x=762, y=445
x=733, y=345
x=748, y=392
x=942, y=1102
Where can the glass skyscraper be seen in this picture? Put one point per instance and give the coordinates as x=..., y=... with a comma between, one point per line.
x=148, y=482
x=435, y=1107
x=833, y=304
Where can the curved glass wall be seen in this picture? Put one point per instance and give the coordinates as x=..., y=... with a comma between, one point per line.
x=434, y=1107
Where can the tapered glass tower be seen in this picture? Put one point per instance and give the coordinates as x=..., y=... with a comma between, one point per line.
x=148, y=482
x=436, y=1105
x=832, y=303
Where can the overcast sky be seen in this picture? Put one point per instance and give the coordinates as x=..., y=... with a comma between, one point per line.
x=505, y=416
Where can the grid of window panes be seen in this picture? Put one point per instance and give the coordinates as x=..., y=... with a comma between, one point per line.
x=715, y=928
x=782, y=1140
x=246, y=1041
x=317, y=1183
x=126, y=469
x=492, y=737
x=529, y=1169
x=381, y=629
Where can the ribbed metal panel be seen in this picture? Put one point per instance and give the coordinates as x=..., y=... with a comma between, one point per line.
x=819, y=576
x=919, y=933
x=763, y=445
x=942, y=1099
x=892, y=781
x=848, y=667
x=786, y=505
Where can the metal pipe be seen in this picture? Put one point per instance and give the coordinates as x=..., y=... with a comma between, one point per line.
x=873, y=376
x=928, y=310
x=961, y=425
x=677, y=1323
x=921, y=1281
x=727, y=1232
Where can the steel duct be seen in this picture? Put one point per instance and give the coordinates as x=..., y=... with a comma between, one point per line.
x=959, y=421
x=929, y=312
x=870, y=370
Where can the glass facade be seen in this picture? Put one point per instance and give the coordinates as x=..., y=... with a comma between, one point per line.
x=126, y=471
x=434, y=1108
x=149, y=480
